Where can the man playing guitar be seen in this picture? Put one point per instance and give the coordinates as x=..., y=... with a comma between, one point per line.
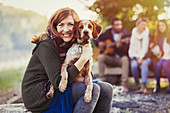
x=114, y=45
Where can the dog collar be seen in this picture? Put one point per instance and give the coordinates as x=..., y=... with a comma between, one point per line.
x=80, y=49
x=85, y=42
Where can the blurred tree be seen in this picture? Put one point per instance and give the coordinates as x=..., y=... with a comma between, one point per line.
x=129, y=10
x=17, y=27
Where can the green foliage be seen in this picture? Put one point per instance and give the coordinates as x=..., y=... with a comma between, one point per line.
x=10, y=79
x=129, y=10
x=127, y=110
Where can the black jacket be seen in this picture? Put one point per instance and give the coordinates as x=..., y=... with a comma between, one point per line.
x=108, y=35
x=44, y=64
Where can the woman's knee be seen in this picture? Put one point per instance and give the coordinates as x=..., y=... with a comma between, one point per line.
x=106, y=88
x=159, y=63
x=96, y=88
x=134, y=64
x=166, y=64
x=146, y=63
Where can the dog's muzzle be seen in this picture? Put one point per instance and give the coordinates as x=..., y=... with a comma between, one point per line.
x=85, y=33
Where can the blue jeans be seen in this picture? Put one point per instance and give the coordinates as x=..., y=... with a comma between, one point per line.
x=165, y=64
x=101, y=100
x=144, y=69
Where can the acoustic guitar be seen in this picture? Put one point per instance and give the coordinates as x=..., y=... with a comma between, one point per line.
x=109, y=47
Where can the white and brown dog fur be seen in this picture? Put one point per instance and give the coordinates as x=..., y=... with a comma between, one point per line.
x=85, y=31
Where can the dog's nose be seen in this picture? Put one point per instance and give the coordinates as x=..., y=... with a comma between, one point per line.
x=85, y=33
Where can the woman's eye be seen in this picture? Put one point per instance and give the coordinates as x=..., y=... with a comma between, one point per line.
x=71, y=24
x=60, y=25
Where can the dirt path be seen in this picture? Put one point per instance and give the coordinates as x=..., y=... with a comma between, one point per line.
x=141, y=103
x=6, y=95
x=123, y=103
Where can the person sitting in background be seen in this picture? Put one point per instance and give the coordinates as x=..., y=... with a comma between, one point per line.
x=138, y=49
x=117, y=55
x=155, y=53
x=161, y=48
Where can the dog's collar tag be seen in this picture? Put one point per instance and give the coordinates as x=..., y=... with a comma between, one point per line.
x=80, y=49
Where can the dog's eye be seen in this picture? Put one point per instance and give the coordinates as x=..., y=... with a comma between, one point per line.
x=81, y=27
x=89, y=26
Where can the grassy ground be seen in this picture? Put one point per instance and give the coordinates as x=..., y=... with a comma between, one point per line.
x=11, y=79
x=151, y=82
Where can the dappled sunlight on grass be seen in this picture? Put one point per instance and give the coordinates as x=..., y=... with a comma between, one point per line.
x=151, y=82
x=11, y=79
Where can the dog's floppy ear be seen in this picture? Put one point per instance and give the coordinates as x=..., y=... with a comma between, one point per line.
x=96, y=30
x=76, y=30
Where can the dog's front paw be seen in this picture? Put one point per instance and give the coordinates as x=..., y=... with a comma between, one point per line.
x=50, y=93
x=63, y=84
x=87, y=96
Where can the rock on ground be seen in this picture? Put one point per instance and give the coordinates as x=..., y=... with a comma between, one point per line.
x=141, y=103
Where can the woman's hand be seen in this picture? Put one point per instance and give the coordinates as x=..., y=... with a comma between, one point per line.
x=151, y=45
x=85, y=56
x=139, y=61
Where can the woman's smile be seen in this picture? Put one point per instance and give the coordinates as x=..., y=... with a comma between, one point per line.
x=67, y=35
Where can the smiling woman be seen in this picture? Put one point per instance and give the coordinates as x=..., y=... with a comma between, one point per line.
x=44, y=72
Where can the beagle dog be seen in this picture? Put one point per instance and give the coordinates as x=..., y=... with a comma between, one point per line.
x=85, y=31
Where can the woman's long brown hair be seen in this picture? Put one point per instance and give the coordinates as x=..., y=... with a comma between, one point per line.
x=158, y=34
x=55, y=19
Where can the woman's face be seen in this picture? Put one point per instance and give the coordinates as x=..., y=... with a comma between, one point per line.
x=65, y=28
x=141, y=26
x=162, y=27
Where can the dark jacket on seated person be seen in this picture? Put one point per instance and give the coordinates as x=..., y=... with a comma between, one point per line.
x=109, y=35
